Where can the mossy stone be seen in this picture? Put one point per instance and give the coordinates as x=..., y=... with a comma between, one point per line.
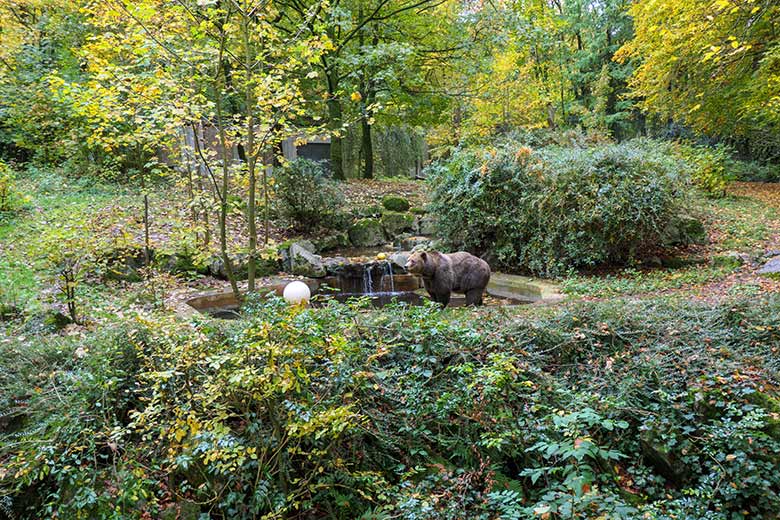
x=395, y=203
x=395, y=223
x=367, y=232
x=684, y=230
x=367, y=211
x=331, y=242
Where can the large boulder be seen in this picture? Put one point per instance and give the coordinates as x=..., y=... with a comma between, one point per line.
x=285, y=247
x=217, y=269
x=367, y=232
x=684, y=230
x=331, y=242
x=425, y=225
x=395, y=203
x=771, y=268
x=415, y=243
x=395, y=223
x=334, y=264
x=305, y=263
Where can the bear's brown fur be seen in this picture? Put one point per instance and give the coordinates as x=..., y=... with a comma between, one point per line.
x=444, y=273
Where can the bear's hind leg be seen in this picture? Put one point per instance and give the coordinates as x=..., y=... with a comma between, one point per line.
x=474, y=297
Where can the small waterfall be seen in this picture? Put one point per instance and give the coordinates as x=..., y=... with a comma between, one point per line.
x=368, y=282
x=387, y=271
x=390, y=274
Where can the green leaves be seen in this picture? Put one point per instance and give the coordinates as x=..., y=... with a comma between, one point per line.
x=558, y=208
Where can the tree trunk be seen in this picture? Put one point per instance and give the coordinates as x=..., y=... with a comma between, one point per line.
x=334, y=122
x=368, y=148
x=336, y=154
x=251, y=157
x=224, y=192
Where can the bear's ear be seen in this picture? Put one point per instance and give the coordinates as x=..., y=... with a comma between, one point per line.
x=424, y=256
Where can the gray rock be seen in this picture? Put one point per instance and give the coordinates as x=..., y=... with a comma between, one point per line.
x=217, y=269
x=399, y=259
x=769, y=253
x=305, y=263
x=308, y=245
x=771, y=267
x=425, y=225
x=367, y=232
x=395, y=223
x=334, y=263
x=284, y=251
x=411, y=243
x=684, y=230
x=330, y=242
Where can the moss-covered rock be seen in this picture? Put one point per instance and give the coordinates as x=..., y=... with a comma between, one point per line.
x=181, y=262
x=395, y=203
x=124, y=263
x=331, y=242
x=425, y=225
x=684, y=230
x=367, y=232
x=367, y=211
x=395, y=223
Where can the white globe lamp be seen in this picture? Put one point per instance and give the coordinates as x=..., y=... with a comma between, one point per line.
x=297, y=293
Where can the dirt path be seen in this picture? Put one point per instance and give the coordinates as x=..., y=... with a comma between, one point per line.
x=745, y=280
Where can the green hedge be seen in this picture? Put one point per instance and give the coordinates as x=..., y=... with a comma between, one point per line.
x=554, y=209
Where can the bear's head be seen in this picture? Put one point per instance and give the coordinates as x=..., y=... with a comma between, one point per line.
x=416, y=262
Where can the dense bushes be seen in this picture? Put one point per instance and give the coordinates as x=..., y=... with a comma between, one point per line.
x=306, y=196
x=640, y=410
x=553, y=209
x=708, y=166
x=753, y=171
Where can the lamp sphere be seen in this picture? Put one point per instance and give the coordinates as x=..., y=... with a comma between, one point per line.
x=297, y=292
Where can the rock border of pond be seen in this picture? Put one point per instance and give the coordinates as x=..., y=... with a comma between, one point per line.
x=520, y=289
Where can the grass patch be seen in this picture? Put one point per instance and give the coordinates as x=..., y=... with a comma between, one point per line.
x=740, y=223
x=633, y=281
x=54, y=202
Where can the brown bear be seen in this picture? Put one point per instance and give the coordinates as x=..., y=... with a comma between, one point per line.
x=444, y=273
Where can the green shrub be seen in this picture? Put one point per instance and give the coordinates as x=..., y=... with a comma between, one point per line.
x=754, y=171
x=554, y=209
x=613, y=410
x=307, y=197
x=708, y=167
x=10, y=198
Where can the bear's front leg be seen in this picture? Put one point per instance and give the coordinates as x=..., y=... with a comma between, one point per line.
x=442, y=298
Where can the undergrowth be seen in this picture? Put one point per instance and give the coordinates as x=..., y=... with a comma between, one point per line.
x=650, y=409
